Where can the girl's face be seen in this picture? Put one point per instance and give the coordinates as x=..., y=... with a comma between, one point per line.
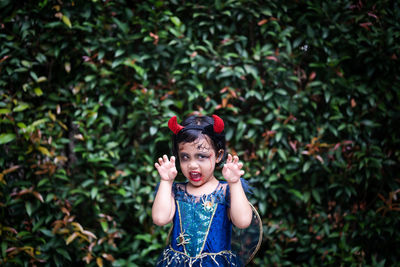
x=197, y=160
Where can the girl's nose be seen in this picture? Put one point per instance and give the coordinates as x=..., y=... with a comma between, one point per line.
x=193, y=165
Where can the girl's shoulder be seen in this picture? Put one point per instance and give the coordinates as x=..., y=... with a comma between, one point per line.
x=178, y=187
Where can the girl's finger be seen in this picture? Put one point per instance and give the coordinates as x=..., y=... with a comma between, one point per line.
x=235, y=159
x=160, y=160
x=157, y=165
x=229, y=159
x=172, y=160
x=240, y=165
x=165, y=157
x=241, y=172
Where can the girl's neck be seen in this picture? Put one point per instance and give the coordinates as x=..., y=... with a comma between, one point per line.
x=204, y=189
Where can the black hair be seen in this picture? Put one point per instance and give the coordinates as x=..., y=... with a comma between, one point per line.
x=190, y=134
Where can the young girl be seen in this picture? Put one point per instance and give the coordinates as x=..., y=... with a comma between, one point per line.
x=203, y=209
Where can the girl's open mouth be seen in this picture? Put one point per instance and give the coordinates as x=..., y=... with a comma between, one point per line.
x=195, y=176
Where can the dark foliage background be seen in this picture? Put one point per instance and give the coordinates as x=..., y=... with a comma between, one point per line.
x=309, y=91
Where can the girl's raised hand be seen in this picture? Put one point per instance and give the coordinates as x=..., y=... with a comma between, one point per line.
x=166, y=168
x=232, y=170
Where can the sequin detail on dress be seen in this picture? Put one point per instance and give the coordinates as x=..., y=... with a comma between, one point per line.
x=207, y=204
x=183, y=239
x=196, y=222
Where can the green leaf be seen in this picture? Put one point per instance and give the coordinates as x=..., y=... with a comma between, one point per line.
x=370, y=123
x=38, y=91
x=23, y=234
x=3, y=249
x=278, y=136
x=281, y=92
x=282, y=154
x=176, y=21
x=306, y=166
x=119, y=52
x=153, y=130
x=6, y=138
x=123, y=26
x=316, y=196
x=66, y=21
x=64, y=253
x=5, y=111
x=46, y=232
x=104, y=225
x=94, y=192
x=21, y=107
x=145, y=237
x=255, y=121
x=28, y=208
x=296, y=193
x=43, y=182
x=122, y=192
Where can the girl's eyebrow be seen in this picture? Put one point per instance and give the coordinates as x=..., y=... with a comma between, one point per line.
x=196, y=154
x=203, y=154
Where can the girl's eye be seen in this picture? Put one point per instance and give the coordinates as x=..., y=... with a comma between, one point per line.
x=203, y=156
x=184, y=157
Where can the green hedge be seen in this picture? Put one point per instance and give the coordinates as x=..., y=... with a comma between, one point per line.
x=309, y=91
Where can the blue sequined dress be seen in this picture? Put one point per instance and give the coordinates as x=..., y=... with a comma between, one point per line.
x=201, y=234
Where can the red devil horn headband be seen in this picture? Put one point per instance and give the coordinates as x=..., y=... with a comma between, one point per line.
x=218, y=124
x=176, y=128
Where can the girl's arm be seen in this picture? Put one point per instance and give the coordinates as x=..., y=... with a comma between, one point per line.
x=163, y=209
x=240, y=210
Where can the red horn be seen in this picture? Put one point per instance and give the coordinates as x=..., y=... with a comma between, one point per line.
x=174, y=126
x=218, y=124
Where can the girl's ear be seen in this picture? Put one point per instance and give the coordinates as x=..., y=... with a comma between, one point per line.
x=219, y=155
